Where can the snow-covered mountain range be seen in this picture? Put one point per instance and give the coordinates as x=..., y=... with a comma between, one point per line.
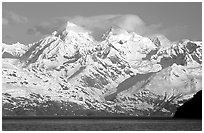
x=70, y=73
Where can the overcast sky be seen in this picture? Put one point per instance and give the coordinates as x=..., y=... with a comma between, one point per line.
x=28, y=22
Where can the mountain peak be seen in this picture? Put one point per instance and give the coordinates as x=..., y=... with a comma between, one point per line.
x=70, y=24
x=115, y=31
x=73, y=27
x=69, y=27
x=164, y=41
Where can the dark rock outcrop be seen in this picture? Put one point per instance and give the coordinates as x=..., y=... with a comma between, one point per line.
x=192, y=109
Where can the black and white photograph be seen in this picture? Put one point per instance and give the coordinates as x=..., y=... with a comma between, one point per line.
x=101, y=66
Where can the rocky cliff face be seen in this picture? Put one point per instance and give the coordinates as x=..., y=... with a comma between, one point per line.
x=70, y=73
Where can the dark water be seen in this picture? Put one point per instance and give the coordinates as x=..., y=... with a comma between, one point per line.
x=101, y=124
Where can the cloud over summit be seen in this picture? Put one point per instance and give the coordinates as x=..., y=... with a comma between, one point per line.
x=99, y=24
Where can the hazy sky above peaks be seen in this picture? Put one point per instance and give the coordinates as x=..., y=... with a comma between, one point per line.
x=29, y=22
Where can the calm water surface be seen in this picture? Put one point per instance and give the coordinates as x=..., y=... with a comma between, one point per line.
x=108, y=124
